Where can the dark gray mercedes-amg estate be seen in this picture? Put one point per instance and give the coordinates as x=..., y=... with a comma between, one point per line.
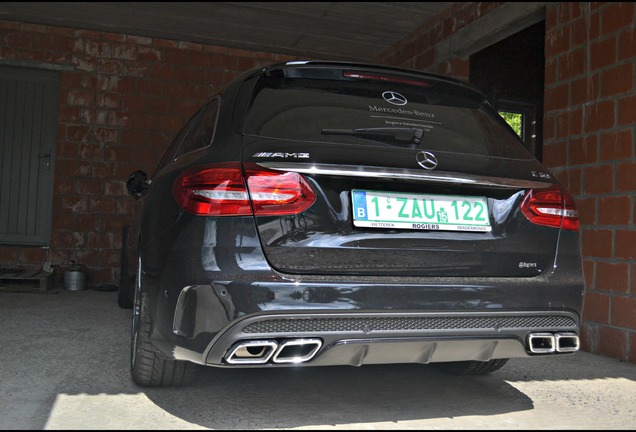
x=322, y=213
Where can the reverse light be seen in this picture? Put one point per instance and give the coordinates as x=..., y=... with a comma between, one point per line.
x=553, y=207
x=221, y=190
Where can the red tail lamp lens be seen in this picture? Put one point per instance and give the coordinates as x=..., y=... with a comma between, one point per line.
x=220, y=190
x=553, y=207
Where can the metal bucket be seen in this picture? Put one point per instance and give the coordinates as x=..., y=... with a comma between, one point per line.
x=74, y=280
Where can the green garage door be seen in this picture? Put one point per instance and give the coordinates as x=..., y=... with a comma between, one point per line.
x=28, y=121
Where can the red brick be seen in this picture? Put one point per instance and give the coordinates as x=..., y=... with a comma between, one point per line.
x=80, y=97
x=161, y=72
x=113, y=37
x=139, y=40
x=624, y=312
x=74, y=203
x=175, y=57
x=603, y=53
x=596, y=243
x=556, y=98
x=88, y=222
x=583, y=150
x=571, y=64
x=626, y=244
x=91, y=152
x=144, y=121
x=632, y=344
x=90, y=187
x=615, y=210
x=149, y=87
x=627, y=44
x=580, y=32
x=627, y=111
x=616, y=16
x=65, y=186
x=618, y=80
x=165, y=43
x=176, y=89
x=587, y=336
x=117, y=118
x=18, y=39
x=569, y=123
x=104, y=170
x=106, y=136
x=557, y=41
x=596, y=307
x=571, y=179
x=84, y=63
x=587, y=210
x=598, y=179
x=588, y=274
x=612, y=277
x=550, y=71
x=136, y=70
x=612, y=343
x=616, y=145
x=110, y=67
x=102, y=204
x=599, y=116
x=124, y=52
x=626, y=177
x=109, y=101
x=74, y=168
x=159, y=105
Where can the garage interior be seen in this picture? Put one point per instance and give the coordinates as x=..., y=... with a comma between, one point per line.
x=109, y=85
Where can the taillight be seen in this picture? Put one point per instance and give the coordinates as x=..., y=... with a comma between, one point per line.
x=220, y=190
x=553, y=207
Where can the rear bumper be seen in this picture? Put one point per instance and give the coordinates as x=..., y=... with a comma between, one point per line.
x=346, y=324
x=203, y=309
x=377, y=338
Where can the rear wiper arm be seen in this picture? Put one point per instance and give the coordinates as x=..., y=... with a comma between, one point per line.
x=413, y=135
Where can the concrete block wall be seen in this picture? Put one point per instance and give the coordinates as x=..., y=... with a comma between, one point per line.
x=122, y=100
x=589, y=141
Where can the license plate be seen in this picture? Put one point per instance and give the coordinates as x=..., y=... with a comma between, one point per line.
x=375, y=209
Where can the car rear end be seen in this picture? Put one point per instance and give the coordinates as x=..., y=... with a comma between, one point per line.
x=374, y=215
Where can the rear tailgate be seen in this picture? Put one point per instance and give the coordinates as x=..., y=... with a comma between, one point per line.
x=410, y=179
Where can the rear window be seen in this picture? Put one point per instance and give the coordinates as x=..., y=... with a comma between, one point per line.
x=423, y=114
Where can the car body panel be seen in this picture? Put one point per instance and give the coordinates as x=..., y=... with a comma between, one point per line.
x=209, y=278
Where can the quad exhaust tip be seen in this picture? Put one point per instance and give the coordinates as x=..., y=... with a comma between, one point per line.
x=262, y=351
x=545, y=343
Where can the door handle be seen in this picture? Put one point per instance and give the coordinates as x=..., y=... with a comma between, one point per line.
x=48, y=158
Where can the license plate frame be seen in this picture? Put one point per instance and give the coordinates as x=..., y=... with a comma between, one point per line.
x=415, y=211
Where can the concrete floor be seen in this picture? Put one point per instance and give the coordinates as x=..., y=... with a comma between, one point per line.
x=64, y=365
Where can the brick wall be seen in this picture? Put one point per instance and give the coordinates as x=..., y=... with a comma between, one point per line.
x=589, y=142
x=590, y=118
x=122, y=100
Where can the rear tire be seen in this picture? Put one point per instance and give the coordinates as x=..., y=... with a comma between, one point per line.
x=147, y=368
x=471, y=367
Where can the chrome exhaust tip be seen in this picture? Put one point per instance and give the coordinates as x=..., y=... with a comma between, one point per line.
x=251, y=352
x=567, y=342
x=297, y=350
x=541, y=343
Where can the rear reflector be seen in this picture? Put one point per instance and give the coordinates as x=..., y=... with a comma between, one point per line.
x=552, y=207
x=220, y=190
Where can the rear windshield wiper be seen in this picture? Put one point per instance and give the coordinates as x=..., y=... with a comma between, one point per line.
x=408, y=135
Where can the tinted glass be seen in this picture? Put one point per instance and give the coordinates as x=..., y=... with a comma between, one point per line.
x=197, y=133
x=448, y=117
